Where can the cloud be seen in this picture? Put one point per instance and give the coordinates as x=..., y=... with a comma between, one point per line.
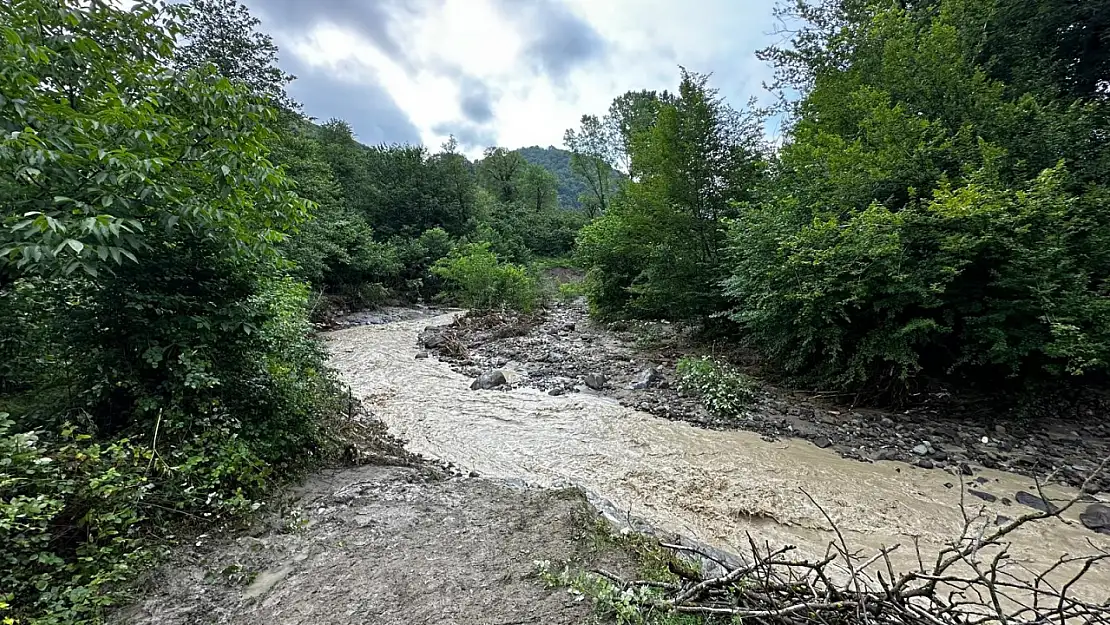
x=367, y=106
x=476, y=100
x=378, y=21
x=561, y=40
x=507, y=72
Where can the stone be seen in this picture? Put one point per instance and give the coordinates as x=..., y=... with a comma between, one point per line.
x=489, y=380
x=433, y=340
x=568, y=327
x=925, y=463
x=1001, y=520
x=886, y=454
x=981, y=480
x=887, y=421
x=596, y=381
x=421, y=355
x=987, y=497
x=822, y=442
x=1000, y=430
x=965, y=469
x=1035, y=502
x=921, y=450
x=645, y=379
x=949, y=485
x=1096, y=517
x=555, y=392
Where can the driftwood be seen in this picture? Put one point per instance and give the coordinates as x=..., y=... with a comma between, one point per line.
x=972, y=581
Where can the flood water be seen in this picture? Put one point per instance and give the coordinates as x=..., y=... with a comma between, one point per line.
x=714, y=486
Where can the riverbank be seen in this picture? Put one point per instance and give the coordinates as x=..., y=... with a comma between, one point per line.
x=555, y=352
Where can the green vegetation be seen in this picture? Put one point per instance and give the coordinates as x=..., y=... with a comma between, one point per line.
x=168, y=216
x=476, y=279
x=722, y=389
x=938, y=206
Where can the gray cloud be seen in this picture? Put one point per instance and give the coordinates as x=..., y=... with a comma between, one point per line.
x=561, y=40
x=370, y=110
x=477, y=100
x=376, y=20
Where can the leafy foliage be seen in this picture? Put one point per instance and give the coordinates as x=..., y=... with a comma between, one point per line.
x=170, y=367
x=476, y=279
x=658, y=251
x=722, y=389
x=927, y=217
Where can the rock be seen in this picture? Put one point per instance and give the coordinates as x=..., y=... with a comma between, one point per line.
x=886, y=454
x=925, y=463
x=981, y=480
x=432, y=340
x=948, y=484
x=421, y=355
x=555, y=392
x=595, y=381
x=1035, y=502
x=987, y=497
x=489, y=380
x=1000, y=430
x=965, y=469
x=921, y=450
x=822, y=442
x=887, y=421
x=645, y=379
x=1001, y=520
x=1096, y=517
x=568, y=327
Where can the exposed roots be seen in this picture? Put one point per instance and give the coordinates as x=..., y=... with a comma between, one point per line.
x=972, y=581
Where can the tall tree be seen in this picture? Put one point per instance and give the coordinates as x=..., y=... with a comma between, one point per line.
x=538, y=189
x=591, y=147
x=500, y=171
x=225, y=34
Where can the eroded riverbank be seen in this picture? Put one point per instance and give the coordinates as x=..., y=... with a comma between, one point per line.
x=712, y=485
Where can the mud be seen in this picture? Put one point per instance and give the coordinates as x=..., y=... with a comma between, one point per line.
x=939, y=429
x=716, y=486
x=387, y=545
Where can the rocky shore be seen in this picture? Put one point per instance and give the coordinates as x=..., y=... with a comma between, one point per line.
x=563, y=351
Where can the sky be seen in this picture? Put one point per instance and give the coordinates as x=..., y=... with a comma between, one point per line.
x=511, y=73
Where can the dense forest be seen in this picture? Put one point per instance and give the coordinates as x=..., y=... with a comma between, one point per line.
x=173, y=223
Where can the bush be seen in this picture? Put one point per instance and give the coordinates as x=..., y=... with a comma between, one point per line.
x=722, y=389
x=979, y=279
x=476, y=279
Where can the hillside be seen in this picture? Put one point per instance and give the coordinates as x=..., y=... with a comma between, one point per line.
x=557, y=161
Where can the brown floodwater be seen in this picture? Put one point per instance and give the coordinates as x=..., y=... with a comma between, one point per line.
x=714, y=486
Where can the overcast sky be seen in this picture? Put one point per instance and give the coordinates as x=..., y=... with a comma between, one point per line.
x=504, y=72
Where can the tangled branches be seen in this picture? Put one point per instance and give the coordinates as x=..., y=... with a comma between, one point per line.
x=972, y=581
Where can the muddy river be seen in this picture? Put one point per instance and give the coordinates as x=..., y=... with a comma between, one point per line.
x=714, y=486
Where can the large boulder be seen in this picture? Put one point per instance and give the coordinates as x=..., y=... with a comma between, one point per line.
x=489, y=380
x=646, y=379
x=1096, y=517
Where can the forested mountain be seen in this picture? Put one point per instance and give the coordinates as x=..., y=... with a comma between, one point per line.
x=570, y=185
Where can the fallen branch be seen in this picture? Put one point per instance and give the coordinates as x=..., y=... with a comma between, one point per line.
x=970, y=582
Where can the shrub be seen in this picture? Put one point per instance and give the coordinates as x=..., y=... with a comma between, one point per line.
x=980, y=278
x=476, y=279
x=722, y=389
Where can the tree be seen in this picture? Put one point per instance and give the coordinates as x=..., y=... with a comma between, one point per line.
x=629, y=115
x=591, y=148
x=499, y=172
x=537, y=189
x=224, y=33
x=926, y=216
x=658, y=251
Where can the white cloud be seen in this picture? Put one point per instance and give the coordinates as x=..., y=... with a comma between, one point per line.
x=454, y=43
